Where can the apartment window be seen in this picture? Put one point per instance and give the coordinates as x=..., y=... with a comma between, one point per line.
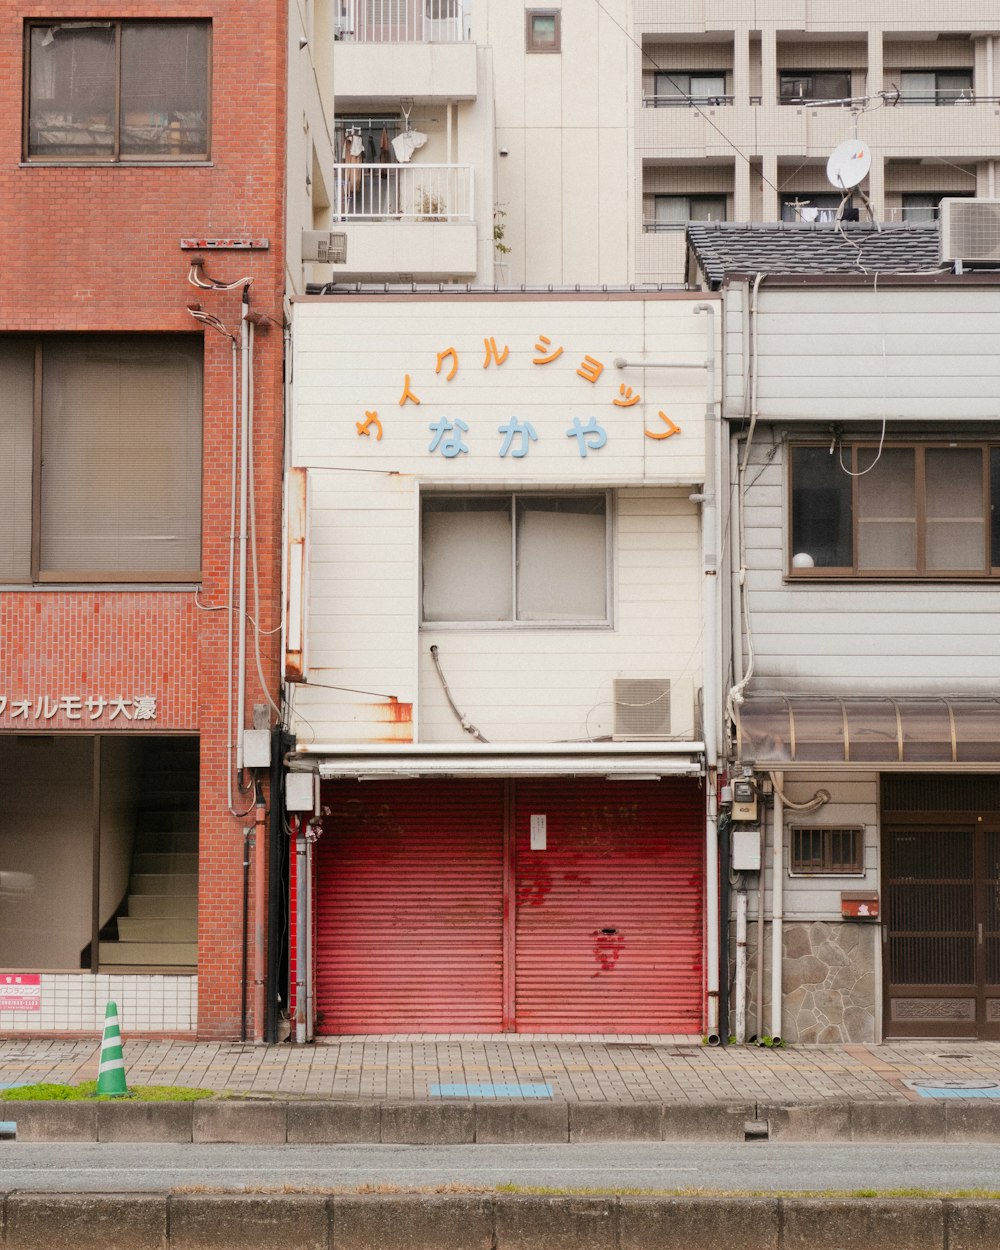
x=923, y=206
x=516, y=559
x=827, y=852
x=798, y=86
x=809, y=208
x=673, y=212
x=107, y=90
x=935, y=86
x=680, y=87
x=899, y=510
x=543, y=30
x=101, y=480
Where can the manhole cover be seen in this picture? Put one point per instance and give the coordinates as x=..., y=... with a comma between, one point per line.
x=954, y=1087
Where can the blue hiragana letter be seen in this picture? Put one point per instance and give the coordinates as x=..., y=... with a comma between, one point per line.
x=445, y=438
x=513, y=429
x=590, y=436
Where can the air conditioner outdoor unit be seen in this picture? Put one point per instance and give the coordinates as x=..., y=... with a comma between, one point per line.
x=970, y=231
x=642, y=708
x=327, y=247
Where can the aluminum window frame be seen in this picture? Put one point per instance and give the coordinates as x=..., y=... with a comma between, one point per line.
x=828, y=867
x=530, y=43
x=607, y=623
x=989, y=571
x=115, y=157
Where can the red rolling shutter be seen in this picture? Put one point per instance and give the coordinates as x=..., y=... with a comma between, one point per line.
x=609, y=916
x=409, y=907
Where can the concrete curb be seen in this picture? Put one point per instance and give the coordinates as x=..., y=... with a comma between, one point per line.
x=32, y=1221
x=466, y=1123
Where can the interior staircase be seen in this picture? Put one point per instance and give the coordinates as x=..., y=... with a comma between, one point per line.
x=157, y=923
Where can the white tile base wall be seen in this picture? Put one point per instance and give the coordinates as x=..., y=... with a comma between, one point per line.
x=76, y=1004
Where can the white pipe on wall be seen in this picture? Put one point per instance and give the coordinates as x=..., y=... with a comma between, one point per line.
x=777, y=904
x=740, y=1024
x=246, y=341
x=710, y=679
x=301, y=937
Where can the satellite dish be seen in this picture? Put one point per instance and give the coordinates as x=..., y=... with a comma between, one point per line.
x=849, y=162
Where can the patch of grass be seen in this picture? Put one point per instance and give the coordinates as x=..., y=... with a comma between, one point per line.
x=47, y=1092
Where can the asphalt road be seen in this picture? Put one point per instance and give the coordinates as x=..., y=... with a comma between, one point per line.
x=764, y=1166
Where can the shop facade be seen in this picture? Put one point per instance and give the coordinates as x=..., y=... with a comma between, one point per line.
x=494, y=664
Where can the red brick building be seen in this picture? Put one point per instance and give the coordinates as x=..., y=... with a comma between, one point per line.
x=132, y=133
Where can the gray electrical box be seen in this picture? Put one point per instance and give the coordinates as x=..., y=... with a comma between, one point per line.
x=256, y=748
x=746, y=850
x=744, y=799
x=301, y=792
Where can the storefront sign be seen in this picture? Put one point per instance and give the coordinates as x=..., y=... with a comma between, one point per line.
x=20, y=991
x=74, y=707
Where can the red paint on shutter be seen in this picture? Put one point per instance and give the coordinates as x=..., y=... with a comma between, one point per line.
x=609, y=929
x=409, y=907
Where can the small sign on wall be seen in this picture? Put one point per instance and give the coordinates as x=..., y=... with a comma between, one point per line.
x=20, y=991
x=538, y=834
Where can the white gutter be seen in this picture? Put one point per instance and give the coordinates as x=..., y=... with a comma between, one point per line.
x=404, y=750
x=711, y=660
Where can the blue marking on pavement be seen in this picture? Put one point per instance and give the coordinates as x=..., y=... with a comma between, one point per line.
x=8, y=1128
x=490, y=1090
x=935, y=1091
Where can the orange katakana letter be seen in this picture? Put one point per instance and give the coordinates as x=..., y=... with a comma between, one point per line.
x=407, y=393
x=364, y=427
x=669, y=432
x=543, y=346
x=442, y=357
x=626, y=398
x=590, y=369
x=490, y=347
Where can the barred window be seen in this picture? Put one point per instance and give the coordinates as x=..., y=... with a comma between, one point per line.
x=827, y=851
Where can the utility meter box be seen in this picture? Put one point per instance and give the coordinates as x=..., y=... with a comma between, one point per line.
x=746, y=850
x=301, y=792
x=256, y=748
x=744, y=799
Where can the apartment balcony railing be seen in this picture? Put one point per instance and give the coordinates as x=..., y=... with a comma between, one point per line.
x=402, y=21
x=403, y=192
x=686, y=101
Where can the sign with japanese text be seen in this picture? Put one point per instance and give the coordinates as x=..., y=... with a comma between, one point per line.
x=20, y=991
x=97, y=710
x=527, y=387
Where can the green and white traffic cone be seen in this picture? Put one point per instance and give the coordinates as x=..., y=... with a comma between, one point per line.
x=111, y=1071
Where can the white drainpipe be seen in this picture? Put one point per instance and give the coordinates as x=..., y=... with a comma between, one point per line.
x=777, y=904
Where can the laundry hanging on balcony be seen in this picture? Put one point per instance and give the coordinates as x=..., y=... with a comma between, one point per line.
x=406, y=144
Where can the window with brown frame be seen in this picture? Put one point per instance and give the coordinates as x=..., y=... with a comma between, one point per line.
x=894, y=510
x=107, y=90
x=827, y=851
x=101, y=480
x=543, y=30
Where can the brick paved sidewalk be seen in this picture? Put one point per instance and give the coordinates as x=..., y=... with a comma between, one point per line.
x=674, y=1070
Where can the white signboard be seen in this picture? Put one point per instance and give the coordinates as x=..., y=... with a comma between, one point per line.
x=522, y=387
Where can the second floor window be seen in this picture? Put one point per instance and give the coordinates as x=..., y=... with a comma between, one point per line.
x=673, y=212
x=935, y=86
x=702, y=87
x=107, y=90
x=895, y=511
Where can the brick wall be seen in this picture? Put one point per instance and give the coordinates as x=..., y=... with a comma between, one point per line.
x=98, y=248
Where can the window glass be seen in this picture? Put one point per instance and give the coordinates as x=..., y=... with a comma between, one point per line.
x=678, y=210
x=164, y=104
x=821, y=510
x=17, y=385
x=515, y=558
x=72, y=90
x=995, y=509
x=798, y=85
x=121, y=456
x=108, y=90
x=955, y=516
x=887, y=503
x=543, y=32
x=561, y=564
x=467, y=559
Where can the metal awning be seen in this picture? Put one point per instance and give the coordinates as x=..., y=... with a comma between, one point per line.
x=619, y=761
x=910, y=732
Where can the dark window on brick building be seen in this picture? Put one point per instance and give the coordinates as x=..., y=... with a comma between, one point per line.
x=101, y=476
x=106, y=90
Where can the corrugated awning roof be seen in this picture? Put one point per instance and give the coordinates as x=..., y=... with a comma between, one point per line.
x=910, y=732
x=614, y=760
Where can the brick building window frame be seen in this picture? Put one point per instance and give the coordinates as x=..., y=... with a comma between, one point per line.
x=114, y=132
x=104, y=454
